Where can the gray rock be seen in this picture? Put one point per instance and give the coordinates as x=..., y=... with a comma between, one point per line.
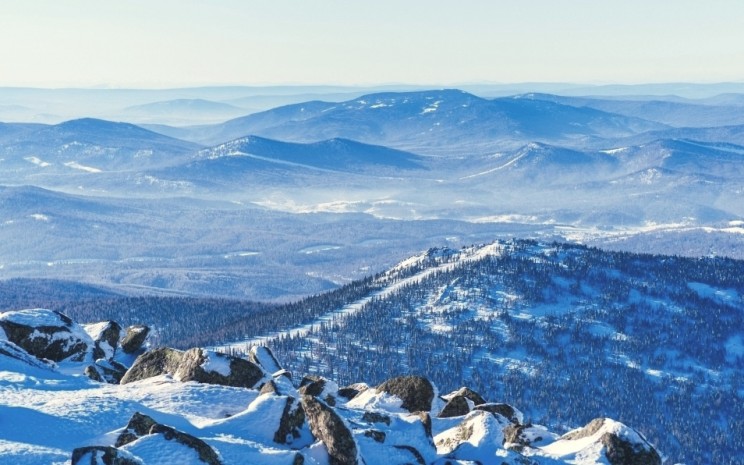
x=469, y=394
x=156, y=362
x=514, y=434
x=588, y=430
x=102, y=455
x=375, y=435
x=12, y=351
x=416, y=392
x=242, y=372
x=56, y=338
x=622, y=452
x=351, y=391
x=376, y=417
x=292, y=421
x=269, y=387
x=414, y=452
x=263, y=357
x=312, y=385
x=107, y=341
x=457, y=406
x=106, y=371
x=205, y=451
x=135, y=338
x=327, y=426
x=139, y=425
x=92, y=373
x=505, y=410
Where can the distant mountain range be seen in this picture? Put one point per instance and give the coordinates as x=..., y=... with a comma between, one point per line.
x=535, y=164
x=87, y=145
x=426, y=122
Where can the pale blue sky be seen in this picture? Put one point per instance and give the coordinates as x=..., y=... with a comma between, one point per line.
x=164, y=43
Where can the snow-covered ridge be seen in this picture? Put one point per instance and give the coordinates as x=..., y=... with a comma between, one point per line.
x=201, y=407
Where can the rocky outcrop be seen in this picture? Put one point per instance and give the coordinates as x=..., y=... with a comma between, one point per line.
x=467, y=393
x=416, y=392
x=206, y=453
x=209, y=367
x=139, y=425
x=353, y=390
x=618, y=444
x=517, y=436
x=505, y=410
x=134, y=339
x=263, y=357
x=102, y=455
x=46, y=334
x=15, y=353
x=318, y=386
x=330, y=428
x=105, y=337
x=106, y=371
x=156, y=362
x=457, y=406
x=620, y=451
x=291, y=423
x=198, y=365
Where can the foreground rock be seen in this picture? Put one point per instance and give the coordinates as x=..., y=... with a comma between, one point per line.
x=103, y=455
x=331, y=429
x=607, y=440
x=416, y=392
x=134, y=339
x=46, y=334
x=156, y=362
x=105, y=335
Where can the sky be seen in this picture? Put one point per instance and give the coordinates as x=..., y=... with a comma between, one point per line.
x=178, y=43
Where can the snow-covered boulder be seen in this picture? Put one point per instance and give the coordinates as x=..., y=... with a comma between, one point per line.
x=144, y=437
x=205, y=452
x=467, y=393
x=332, y=431
x=205, y=366
x=516, y=435
x=320, y=387
x=139, y=425
x=604, y=441
x=105, y=335
x=478, y=437
x=197, y=364
x=156, y=362
x=134, y=339
x=14, y=357
x=457, y=406
x=106, y=371
x=263, y=357
x=394, y=439
x=416, y=392
x=353, y=390
x=103, y=455
x=505, y=410
x=46, y=334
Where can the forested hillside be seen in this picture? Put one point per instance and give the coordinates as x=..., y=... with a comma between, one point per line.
x=568, y=330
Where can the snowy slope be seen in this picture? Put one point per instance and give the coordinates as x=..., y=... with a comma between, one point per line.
x=529, y=323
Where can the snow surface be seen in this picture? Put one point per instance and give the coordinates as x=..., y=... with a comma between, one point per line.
x=216, y=362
